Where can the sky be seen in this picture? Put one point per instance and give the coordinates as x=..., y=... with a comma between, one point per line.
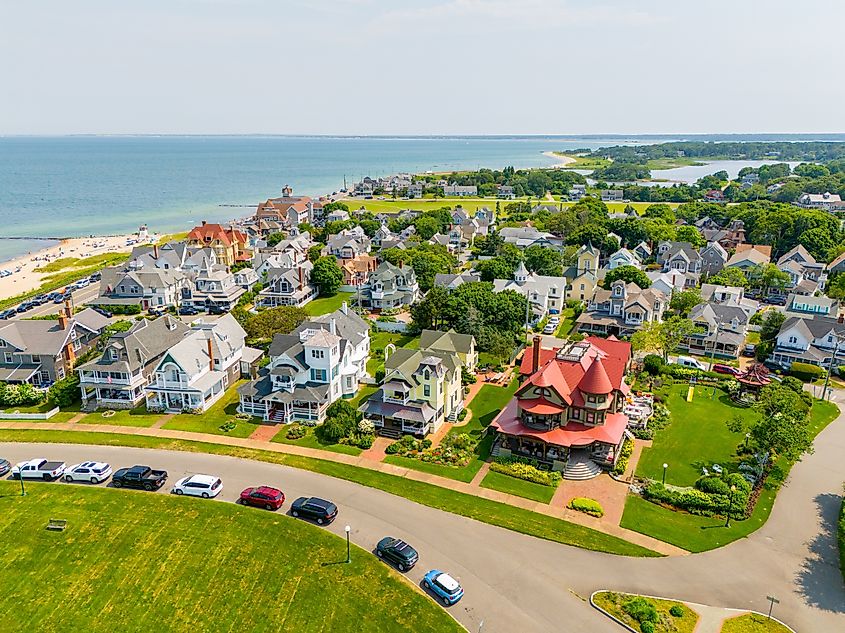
x=421, y=67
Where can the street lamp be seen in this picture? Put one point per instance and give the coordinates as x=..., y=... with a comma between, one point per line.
x=23, y=490
x=747, y=437
x=665, y=466
x=730, y=506
x=348, y=529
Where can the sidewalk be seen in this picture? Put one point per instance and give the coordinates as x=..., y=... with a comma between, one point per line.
x=362, y=462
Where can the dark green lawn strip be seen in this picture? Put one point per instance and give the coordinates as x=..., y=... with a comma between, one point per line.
x=518, y=487
x=492, y=512
x=137, y=561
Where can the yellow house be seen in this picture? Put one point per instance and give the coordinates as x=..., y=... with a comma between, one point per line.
x=461, y=344
x=583, y=277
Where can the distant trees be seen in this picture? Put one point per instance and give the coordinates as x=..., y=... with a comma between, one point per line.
x=264, y=325
x=685, y=300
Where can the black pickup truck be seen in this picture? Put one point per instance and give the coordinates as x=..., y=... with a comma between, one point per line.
x=141, y=477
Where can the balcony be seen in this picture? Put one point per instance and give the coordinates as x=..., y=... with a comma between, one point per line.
x=162, y=383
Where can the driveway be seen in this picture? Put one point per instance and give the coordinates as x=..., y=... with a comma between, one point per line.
x=515, y=582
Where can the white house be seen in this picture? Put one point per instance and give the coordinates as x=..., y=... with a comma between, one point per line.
x=547, y=295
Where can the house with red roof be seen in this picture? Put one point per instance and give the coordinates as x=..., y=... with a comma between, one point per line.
x=290, y=210
x=568, y=412
x=229, y=244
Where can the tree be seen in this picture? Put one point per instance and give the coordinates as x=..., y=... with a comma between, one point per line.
x=426, y=227
x=327, y=275
x=629, y=274
x=662, y=337
x=784, y=425
x=769, y=276
x=315, y=252
x=341, y=421
x=544, y=261
x=275, y=238
x=267, y=323
x=772, y=322
x=690, y=234
x=731, y=276
x=685, y=300
x=836, y=287
x=496, y=268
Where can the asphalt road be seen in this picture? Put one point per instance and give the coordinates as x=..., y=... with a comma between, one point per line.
x=81, y=296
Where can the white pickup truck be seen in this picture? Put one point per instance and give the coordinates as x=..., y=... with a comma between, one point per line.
x=39, y=468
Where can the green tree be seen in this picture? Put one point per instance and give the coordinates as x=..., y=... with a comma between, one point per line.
x=784, y=427
x=685, y=300
x=275, y=238
x=690, y=234
x=267, y=323
x=629, y=274
x=426, y=227
x=768, y=276
x=327, y=275
x=730, y=277
x=341, y=421
x=663, y=337
x=315, y=252
x=544, y=261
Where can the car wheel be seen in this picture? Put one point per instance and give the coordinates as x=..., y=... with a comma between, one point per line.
x=68, y=478
x=148, y=487
x=446, y=601
x=294, y=513
x=400, y=567
x=178, y=491
x=46, y=477
x=94, y=480
x=427, y=585
x=268, y=507
x=205, y=495
x=319, y=521
x=117, y=484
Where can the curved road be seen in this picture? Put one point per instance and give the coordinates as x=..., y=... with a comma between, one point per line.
x=515, y=582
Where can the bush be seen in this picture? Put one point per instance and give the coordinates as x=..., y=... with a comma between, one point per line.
x=587, y=506
x=653, y=364
x=712, y=495
x=295, y=432
x=647, y=627
x=805, y=371
x=366, y=440
x=127, y=310
x=65, y=392
x=462, y=415
x=624, y=456
x=526, y=469
x=677, y=611
x=641, y=609
x=23, y=395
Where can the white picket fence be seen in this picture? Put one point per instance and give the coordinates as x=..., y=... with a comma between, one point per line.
x=16, y=415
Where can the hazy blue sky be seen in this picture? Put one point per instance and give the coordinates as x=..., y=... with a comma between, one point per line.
x=421, y=67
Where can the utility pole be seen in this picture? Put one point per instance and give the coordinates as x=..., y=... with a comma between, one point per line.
x=713, y=351
x=830, y=367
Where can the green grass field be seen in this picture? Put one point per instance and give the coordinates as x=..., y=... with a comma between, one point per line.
x=139, y=417
x=61, y=416
x=63, y=263
x=518, y=487
x=492, y=512
x=221, y=412
x=324, y=305
x=311, y=440
x=136, y=561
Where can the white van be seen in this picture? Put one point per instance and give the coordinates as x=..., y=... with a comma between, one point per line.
x=692, y=363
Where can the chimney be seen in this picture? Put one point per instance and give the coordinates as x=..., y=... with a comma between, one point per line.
x=344, y=307
x=68, y=309
x=62, y=320
x=210, y=352
x=155, y=251
x=535, y=355
x=203, y=222
x=841, y=318
x=70, y=355
x=332, y=327
x=301, y=283
x=253, y=372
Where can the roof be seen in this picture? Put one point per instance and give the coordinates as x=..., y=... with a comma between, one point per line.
x=596, y=380
x=751, y=255
x=571, y=435
x=449, y=341
x=42, y=337
x=143, y=343
x=206, y=232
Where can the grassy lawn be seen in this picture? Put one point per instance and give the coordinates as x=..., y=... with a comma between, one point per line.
x=63, y=263
x=364, y=393
x=753, y=338
x=492, y=512
x=156, y=561
x=324, y=305
x=61, y=416
x=380, y=340
x=139, y=416
x=698, y=533
x=612, y=603
x=219, y=414
x=310, y=440
x=697, y=436
x=426, y=204
x=753, y=623
x=518, y=487
x=567, y=323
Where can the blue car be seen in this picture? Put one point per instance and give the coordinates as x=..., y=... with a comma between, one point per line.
x=444, y=586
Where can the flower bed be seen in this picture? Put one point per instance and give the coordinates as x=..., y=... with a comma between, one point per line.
x=711, y=495
x=525, y=469
x=587, y=506
x=624, y=456
x=455, y=450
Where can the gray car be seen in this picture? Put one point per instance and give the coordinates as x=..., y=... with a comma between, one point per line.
x=5, y=466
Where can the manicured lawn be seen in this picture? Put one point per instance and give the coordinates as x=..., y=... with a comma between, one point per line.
x=221, y=412
x=612, y=603
x=311, y=440
x=324, y=305
x=139, y=416
x=364, y=393
x=753, y=338
x=380, y=340
x=753, y=623
x=567, y=323
x=697, y=437
x=426, y=204
x=518, y=487
x=492, y=512
x=160, y=563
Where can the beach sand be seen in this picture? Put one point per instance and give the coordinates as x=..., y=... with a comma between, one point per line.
x=561, y=160
x=26, y=278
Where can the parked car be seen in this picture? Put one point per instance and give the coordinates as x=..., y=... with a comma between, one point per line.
x=187, y=310
x=314, y=508
x=443, y=586
x=96, y=277
x=688, y=361
x=5, y=466
x=216, y=310
x=26, y=305
x=60, y=298
x=39, y=468
x=205, y=486
x=725, y=369
x=156, y=312
x=140, y=477
x=397, y=552
x=102, y=311
x=749, y=350
x=262, y=497
x=7, y=314
x=95, y=472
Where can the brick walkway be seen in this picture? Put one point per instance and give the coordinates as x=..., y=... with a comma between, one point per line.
x=76, y=418
x=376, y=451
x=352, y=460
x=266, y=432
x=163, y=420
x=482, y=472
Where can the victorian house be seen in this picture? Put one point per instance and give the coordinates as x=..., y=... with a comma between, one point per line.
x=230, y=245
x=390, y=286
x=622, y=309
x=288, y=287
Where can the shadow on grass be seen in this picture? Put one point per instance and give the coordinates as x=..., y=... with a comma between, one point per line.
x=820, y=580
x=334, y=562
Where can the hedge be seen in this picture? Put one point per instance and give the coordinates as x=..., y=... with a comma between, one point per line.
x=711, y=495
x=525, y=469
x=805, y=371
x=123, y=309
x=587, y=506
x=624, y=456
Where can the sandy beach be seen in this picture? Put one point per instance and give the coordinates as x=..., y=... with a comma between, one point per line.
x=561, y=160
x=24, y=277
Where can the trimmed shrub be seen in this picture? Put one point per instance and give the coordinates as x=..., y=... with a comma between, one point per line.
x=65, y=392
x=805, y=371
x=641, y=609
x=624, y=456
x=677, y=611
x=653, y=364
x=647, y=627
x=23, y=395
x=587, y=506
x=295, y=432
x=366, y=440
x=525, y=469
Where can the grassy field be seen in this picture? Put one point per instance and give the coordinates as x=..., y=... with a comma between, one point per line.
x=139, y=417
x=567, y=323
x=102, y=260
x=156, y=561
x=612, y=603
x=698, y=533
x=518, y=487
x=324, y=305
x=492, y=512
x=380, y=340
x=61, y=416
x=426, y=204
x=172, y=237
x=583, y=162
x=221, y=412
x=753, y=623
x=311, y=440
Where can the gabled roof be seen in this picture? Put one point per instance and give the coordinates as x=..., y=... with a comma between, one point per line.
x=449, y=341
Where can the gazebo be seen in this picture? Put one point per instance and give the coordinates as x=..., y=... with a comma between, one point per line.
x=753, y=379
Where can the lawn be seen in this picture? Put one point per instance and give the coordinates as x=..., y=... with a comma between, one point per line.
x=492, y=512
x=697, y=436
x=221, y=412
x=426, y=204
x=324, y=305
x=518, y=487
x=612, y=603
x=311, y=440
x=155, y=562
x=753, y=623
x=139, y=416
x=380, y=340
x=567, y=323
x=61, y=416
x=697, y=533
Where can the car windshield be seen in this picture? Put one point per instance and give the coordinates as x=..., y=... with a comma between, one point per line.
x=216, y=485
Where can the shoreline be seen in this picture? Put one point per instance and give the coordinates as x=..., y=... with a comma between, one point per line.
x=560, y=159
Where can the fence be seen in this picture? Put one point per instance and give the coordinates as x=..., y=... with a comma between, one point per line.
x=17, y=415
x=391, y=326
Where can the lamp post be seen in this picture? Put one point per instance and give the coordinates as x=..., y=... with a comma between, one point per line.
x=730, y=506
x=747, y=437
x=23, y=490
x=665, y=466
x=348, y=529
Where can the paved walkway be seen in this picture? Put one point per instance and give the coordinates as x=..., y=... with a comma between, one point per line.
x=480, y=475
x=76, y=418
x=266, y=432
x=163, y=420
x=376, y=451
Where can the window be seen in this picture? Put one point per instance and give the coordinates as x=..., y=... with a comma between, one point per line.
x=427, y=391
x=793, y=339
x=318, y=353
x=427, y=374
x=318, y=375
x=591, y=398
x=7, y=357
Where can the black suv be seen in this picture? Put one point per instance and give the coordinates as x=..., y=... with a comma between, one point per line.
x=397, y=552
x=319, y=510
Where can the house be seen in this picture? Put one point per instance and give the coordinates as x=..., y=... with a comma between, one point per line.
x=40, y=352
x=612, y=195
x=195, y=372
x=622, y=309
x=505, y=192
x=355, y=270
x=837, y=265
x=679, y=256
x=290, y=210
x=246, y=278
x=288, y=287
x=545, y=294
x=825, y=201
x=288, y=253
x=810, y=306
x=643, y=251
x=623, y=257
x=452, y=281
x=212, y=286
x=348, y=244
x=136, y=285
x=729, y=295
x=583, y=277
x=390, y=286
x=416, y=190
x=714, y=195
x=117, y=379
x=568, y=414
x=320, y=362
x=525, y=236
x=706, y=223
x=720, y=330
x=713, y=258
x=337, y=215
x=459, y=191
x=747, y=256
x=809, y=340
x=806, y=275
x=382, y=234
x=229, y=244
x=451, y=342
x=421, y=389
x=671, y=282
x=577, y=192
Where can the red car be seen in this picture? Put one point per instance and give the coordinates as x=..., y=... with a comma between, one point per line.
x=262, y=497
x=725, y=369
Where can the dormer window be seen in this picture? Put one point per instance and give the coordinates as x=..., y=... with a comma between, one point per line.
x=113, y=354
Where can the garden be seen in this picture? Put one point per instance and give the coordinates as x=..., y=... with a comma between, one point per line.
x=344, y=431
x=220, y=419
x=647, y=615
x=522, y=477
